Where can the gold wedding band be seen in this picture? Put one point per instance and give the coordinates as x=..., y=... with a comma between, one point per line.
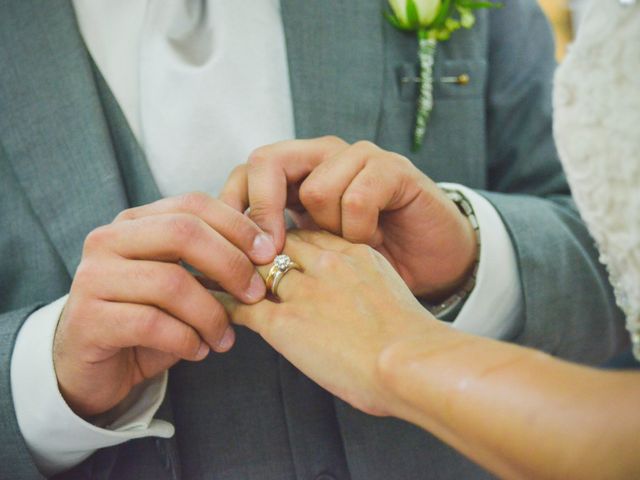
x=281, y=265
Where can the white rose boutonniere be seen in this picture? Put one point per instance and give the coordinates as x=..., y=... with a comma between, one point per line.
x=433, y=21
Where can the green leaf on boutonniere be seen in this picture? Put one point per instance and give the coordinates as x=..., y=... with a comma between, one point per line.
x=433, y=21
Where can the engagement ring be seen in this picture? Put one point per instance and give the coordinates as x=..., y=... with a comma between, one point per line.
x=281, y=265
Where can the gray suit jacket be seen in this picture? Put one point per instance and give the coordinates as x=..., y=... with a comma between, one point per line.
x=68, y=163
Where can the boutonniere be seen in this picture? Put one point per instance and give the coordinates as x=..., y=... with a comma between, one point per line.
x=434, y=21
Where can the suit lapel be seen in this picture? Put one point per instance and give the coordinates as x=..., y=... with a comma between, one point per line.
x=52, y=126
x=335, y=54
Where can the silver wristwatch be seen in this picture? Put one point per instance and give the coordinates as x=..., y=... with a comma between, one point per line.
x=445, y=309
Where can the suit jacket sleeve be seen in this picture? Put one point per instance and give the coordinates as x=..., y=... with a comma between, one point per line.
x=15, y=460
x=569, y=306
x=31, y=276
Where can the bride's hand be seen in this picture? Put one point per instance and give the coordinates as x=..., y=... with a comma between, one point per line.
x=337, y=317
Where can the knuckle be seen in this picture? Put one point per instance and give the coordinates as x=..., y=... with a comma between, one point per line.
x=128, y=214
x=245, y=228
x=78, y=314
x=313, y=194
x=330, y=261
x=174, y=282
x=238, y=171
x=401, y=160
x=364, y=146
x=97, y=238
x=405, y=167
x=143, y=273
x=369, y=184
x=193, y=202
x=333, y=140
x=260, y=212
x=184, y=228
x=259, y=156
x=355, y=202
x=87, y=272
x=235, y=181
x=147, y=323
x=238, y=266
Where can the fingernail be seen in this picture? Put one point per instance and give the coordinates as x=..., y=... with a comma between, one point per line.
x=226, y=342
x=257, y=288
x=203, y=351
x=263, y=247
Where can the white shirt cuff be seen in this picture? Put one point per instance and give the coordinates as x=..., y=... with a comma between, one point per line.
x=57, y=438
x=494, y=307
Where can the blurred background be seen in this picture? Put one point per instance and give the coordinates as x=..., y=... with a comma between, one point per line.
x=565, y=17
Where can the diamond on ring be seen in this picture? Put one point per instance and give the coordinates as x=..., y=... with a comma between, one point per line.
x=283, y=262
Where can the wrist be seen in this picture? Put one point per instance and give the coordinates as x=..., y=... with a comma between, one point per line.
x=397, y=359
x=459, y=279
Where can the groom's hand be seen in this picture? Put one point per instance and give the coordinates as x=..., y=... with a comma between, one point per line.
x=366, y=195
x=134, y=310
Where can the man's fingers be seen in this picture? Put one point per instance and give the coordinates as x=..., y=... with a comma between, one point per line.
x=235, y=192
x=227, y=220
x=176, y=237
x=166, y=286
x=345, y=194
x=267, y=186
x=368, y=194
x=273, y=168
x=321, y=192
x=133, y=325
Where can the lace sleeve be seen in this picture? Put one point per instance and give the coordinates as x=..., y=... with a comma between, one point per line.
x=597, y=129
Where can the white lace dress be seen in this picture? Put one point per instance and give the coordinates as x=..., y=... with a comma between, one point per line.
x=597, y=129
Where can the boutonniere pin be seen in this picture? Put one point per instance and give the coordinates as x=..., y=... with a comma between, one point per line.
x=433, y=21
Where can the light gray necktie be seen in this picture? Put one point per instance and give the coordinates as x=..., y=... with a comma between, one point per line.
x=213, y=87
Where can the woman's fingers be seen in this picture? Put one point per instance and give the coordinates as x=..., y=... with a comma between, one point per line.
x=278, y=323
x=294, y=281
x=221, y=217
x=256, y=318
x=322, y=240
x=290, y=283
x=314, y=252
x=235, y=192
x=168, y=287
x=182, y=237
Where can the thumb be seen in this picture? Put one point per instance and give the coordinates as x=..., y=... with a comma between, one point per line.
x=267, y=200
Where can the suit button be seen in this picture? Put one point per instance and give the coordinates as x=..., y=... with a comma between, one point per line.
x=325, y=476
